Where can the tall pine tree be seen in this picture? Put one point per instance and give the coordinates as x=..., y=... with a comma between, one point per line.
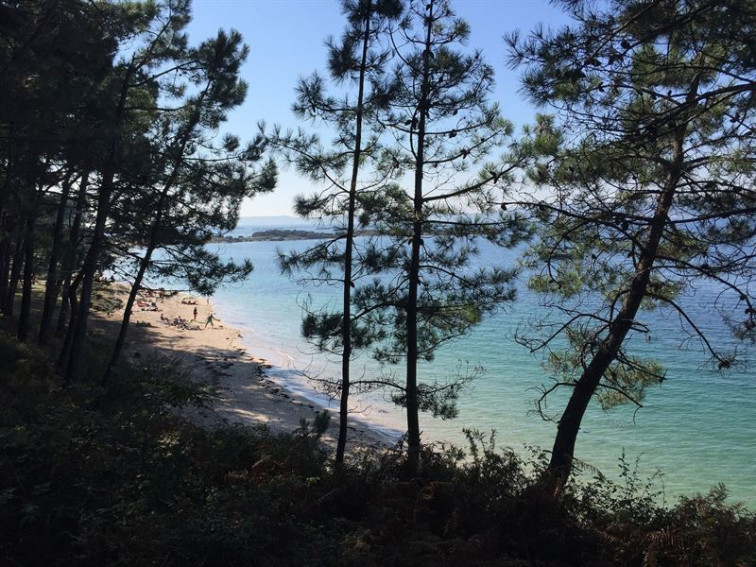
x=359, y=61
x=195, y=186
x=647, y=177
x=444, y=130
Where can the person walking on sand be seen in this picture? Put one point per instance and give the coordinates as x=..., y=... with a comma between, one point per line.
x=209, y=321
x=195, y=314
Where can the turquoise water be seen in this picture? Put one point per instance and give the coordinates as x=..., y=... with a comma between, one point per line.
x=698, y=428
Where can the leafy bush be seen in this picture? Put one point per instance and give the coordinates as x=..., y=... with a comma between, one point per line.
x=114, y=477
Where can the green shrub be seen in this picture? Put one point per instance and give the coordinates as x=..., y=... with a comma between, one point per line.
x=113, y=476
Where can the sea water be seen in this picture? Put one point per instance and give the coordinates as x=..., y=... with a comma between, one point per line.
x=697, y=429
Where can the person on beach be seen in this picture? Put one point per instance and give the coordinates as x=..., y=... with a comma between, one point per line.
x=209, y=321
x=195, y=314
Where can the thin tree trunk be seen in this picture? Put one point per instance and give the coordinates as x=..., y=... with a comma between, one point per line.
x=5, y=266
x=563, y=451
x=69, y=258
x=413, y=418
x=121, y=339
x=91, y=263
x=346, y=336
x=153, y=237
x=411, y=392
x=52, y=286
x=15, y=275
x=6, y=250
x=6, y=224
x=97, y=245
x=26, y=296
x=65, y=351
x=65, y=306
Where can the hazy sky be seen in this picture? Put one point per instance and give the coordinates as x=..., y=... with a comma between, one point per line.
x=286, y=41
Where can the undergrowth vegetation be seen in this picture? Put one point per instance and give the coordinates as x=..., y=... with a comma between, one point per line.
x=115, y=477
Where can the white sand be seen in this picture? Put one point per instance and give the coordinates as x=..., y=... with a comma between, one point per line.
x=213, y=355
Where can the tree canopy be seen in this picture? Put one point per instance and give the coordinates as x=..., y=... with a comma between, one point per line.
x=111, y=121
x=646, y=176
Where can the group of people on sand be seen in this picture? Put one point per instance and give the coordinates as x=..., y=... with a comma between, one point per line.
x=179, y=322
x=160, y=293
x=208, y=321
x=145, y=306
x=182, y=323
x=150, y=304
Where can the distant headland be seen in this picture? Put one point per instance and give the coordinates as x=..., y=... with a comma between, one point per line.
x=280, y=234
x=275, y=234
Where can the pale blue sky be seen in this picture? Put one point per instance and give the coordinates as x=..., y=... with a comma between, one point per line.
x=286, y=41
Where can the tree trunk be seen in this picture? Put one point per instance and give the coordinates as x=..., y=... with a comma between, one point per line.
x=413, y=418
x=97, y=246
x=88, y=270
x=349, y=249
x=26, y=296
x=52, y=286
x=411, y=392
x=563, y=451
x=152, y=242
x=15, y=275
x=121, y=339
x=65, y=306
x=5, y=267
x=6, y=250
x=65, y=351
x=69, y=258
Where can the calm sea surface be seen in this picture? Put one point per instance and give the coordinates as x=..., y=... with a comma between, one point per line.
x=698, y=428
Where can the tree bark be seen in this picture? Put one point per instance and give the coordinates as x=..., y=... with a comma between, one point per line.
x=91, y=262
x=563, y=451
x=346, y=335
x=6, y=250
x=15, y=276
x=97, y=245
x=65, y=306
x=65, y=351
x=5, y=267
x=52, y=286
x=152, y=242
x=413, y=418
x=121, y=339
x=411, y=392
x=69, y=258
x=26, y=296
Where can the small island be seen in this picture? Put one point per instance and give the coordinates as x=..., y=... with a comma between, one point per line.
x=275, y=234
x=279, y=234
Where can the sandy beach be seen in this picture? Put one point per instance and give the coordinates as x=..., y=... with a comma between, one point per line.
x=176, y=327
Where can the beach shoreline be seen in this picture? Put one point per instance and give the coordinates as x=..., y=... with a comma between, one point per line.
x=177, y=326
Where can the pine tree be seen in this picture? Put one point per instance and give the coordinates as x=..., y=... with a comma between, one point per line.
x=358, y=59
x=194, y=189
x=52, y=55
x=647, y=179
x=443, y=127
x=130, y=100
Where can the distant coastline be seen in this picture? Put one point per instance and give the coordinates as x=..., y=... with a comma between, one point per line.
x=278, y=234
